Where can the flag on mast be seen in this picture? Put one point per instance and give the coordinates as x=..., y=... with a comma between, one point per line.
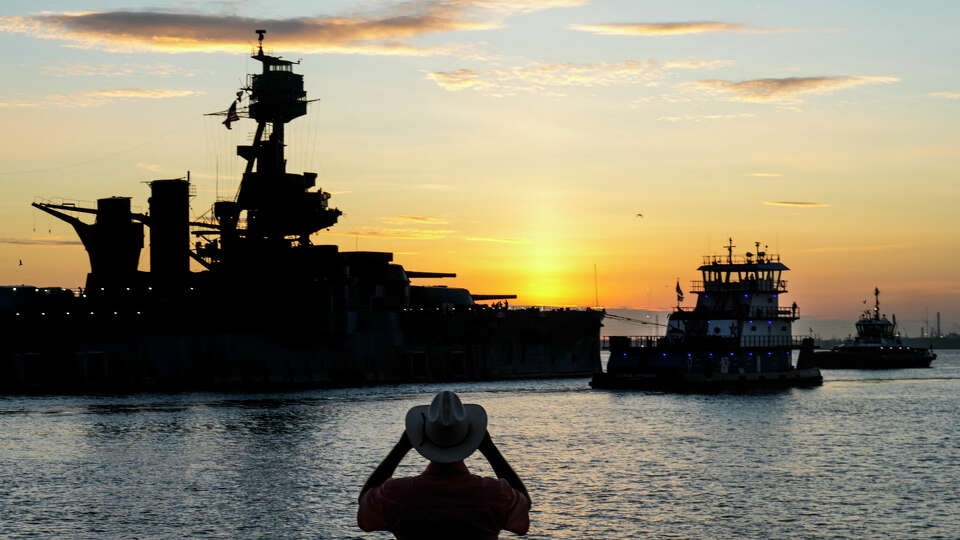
x=232, y=115
x=679, y=292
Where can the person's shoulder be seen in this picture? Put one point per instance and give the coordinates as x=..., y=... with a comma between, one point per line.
x=499, y=486
x=398, y=485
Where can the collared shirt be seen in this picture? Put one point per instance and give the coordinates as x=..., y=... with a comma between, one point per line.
x=446, y=501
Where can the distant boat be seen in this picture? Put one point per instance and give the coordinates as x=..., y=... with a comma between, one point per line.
x=877, y=346
x=737, y=336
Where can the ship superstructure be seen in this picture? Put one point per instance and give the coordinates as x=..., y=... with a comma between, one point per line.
x=738, y=300
x=265, y=306
x=876, y=346
x=736, y=335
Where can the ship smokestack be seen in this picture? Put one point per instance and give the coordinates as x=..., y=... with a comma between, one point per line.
x=169, y=231
x=114, y=245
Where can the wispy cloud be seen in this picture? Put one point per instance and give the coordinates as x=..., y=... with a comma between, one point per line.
x=139, y=93
x=796, y=204
x=399, y=220
x=97, y=98
x=948, y=95
x=858, y=248
x=534, y=77
x=47, y=241
x=671, y=28
x=697, y=64
x=701, y=117
x=395, y=233
x=496, y=240
x=458, y=79
x=786, y=89
x=116, y=70
x=385, y=32
x=152, y=167
x=765, y=174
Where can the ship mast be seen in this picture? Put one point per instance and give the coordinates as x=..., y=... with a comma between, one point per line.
x=281, y=208
x=876, y=305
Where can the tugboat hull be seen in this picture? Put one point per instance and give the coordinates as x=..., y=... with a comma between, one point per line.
x=719, y=382
x=877, y=346
x=680, y=368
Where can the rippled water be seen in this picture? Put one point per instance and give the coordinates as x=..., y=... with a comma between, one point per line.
x=866, y=455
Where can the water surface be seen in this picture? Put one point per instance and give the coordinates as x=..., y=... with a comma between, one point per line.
x=868, y=454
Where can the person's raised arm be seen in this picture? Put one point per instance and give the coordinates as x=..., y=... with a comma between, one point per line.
x=388, y=465
x=500, y=465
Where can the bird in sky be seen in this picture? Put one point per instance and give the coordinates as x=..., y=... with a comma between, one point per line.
x=21, y=262
x=639, y=214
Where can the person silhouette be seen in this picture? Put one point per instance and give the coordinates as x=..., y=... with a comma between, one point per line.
x=446, y=500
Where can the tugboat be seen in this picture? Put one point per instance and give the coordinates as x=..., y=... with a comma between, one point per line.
x=263, y=307
x=737, y=336
x=877, y=346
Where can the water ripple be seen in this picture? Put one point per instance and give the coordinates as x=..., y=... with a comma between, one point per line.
x=869, y=454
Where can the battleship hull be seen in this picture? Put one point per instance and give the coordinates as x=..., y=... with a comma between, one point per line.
x=681, y=368
x=874, y=358
x=364, y=349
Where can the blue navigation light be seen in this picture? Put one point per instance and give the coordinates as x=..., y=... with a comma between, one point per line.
x=749, y=354
x=769, y=353
x=664, y=355
x=788, y=353
x=624, y=355
x=769, y=322
x=706, y=296
x=708, y=322
x=746, y=296
x=774, y=296
x=711, y=355
x=689, y=355
x=751, y=322
x=731, y=354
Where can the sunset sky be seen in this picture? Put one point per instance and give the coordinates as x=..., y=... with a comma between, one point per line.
x=514, y=142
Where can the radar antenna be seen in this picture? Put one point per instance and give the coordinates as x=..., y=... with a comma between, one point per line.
x=260, y=33
x=876, y=307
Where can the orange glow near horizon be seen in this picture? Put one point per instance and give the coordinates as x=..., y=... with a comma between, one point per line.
x=632, y=145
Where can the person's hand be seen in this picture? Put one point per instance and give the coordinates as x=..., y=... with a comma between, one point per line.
x=486, y=445
x=404, y=442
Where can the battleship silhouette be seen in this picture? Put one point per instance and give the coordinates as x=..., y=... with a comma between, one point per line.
x=269, y=309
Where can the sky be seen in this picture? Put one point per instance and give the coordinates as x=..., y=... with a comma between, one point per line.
x=522, y=144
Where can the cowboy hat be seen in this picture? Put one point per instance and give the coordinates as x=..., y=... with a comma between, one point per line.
x=446, y=431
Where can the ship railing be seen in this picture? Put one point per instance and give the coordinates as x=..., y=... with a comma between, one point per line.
x=739, y=259
x=635, y=341
x=756, y=285
x=496, y=307
x=552, y=308
x=793, y=342
x=780, y=342
x=774, y=313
